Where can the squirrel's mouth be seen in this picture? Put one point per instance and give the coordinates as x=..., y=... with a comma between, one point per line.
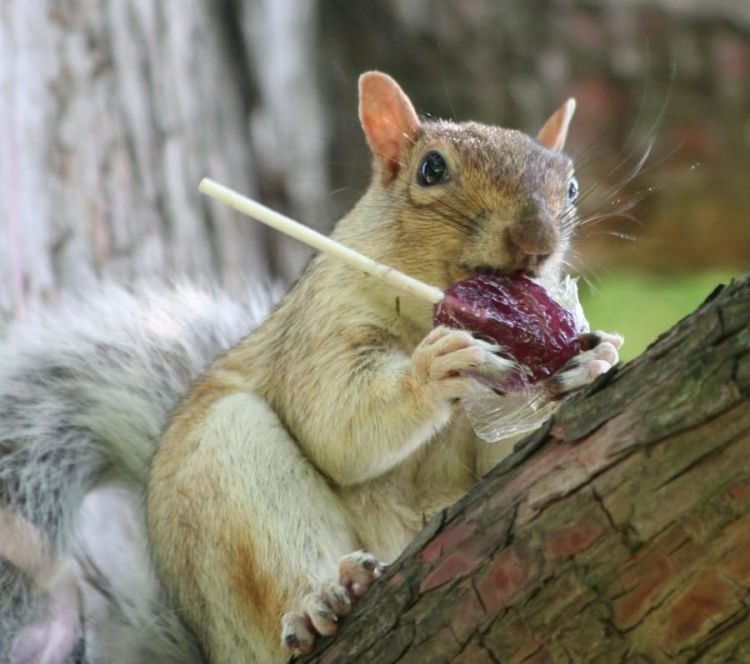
x=528, y=270
x=488, y=269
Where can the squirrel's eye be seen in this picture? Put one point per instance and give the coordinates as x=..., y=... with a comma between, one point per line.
x=572, y=190
x=432, y=170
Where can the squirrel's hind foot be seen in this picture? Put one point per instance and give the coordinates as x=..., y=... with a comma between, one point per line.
x=321, y=610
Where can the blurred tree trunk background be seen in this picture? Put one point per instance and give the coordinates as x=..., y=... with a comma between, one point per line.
x=111, y=112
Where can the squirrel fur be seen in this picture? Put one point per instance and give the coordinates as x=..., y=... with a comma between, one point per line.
x=86, y=388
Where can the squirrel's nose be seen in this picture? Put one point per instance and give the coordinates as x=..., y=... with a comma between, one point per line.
x=529, y=245
x=533, y=237
x=527, y=263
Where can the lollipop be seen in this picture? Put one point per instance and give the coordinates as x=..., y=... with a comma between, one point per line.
x=518, y=315
x=510, y=310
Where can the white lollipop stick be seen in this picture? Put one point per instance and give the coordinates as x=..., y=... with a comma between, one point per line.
x=319, y=241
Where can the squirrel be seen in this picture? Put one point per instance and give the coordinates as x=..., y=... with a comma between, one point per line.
x=313, y=449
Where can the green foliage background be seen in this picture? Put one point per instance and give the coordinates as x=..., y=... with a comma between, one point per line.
x=642, y=305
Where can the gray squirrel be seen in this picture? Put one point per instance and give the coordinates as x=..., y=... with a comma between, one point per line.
x=280, y=467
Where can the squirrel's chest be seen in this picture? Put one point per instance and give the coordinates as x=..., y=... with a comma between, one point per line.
x=390, y=510
x=446, y=466
x=443, y=470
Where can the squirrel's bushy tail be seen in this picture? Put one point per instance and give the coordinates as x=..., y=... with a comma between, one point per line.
x=85, y=391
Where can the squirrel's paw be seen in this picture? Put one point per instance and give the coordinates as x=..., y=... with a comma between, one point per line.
x=599, y=356
x=446, y=359
x=358, y=571
x=320, y=611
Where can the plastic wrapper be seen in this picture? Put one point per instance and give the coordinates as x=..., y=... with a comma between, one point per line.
x=525, y=320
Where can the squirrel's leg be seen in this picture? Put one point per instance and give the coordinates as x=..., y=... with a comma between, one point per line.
x=244, y=528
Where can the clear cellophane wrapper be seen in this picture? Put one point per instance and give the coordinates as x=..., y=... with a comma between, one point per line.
x=495, y=417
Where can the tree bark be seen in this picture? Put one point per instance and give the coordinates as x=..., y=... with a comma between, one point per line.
x=111, y=114
x=620, y=531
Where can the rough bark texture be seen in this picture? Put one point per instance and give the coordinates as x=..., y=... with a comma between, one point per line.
x=112, y=112
x=619, y=532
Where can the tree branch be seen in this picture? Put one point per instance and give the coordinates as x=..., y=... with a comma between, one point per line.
x=620, y=529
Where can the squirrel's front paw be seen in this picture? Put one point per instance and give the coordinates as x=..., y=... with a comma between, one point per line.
x=446, y=360
x=599, y=356
x=320, y=611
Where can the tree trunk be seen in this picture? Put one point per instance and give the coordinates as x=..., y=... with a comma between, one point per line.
x=112, y=112
x=618, y=532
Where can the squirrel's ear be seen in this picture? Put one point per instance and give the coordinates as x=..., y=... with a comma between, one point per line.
x=387, y=116
x=554, y=132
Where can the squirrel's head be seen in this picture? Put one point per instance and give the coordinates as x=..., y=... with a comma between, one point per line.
x=466, y=197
